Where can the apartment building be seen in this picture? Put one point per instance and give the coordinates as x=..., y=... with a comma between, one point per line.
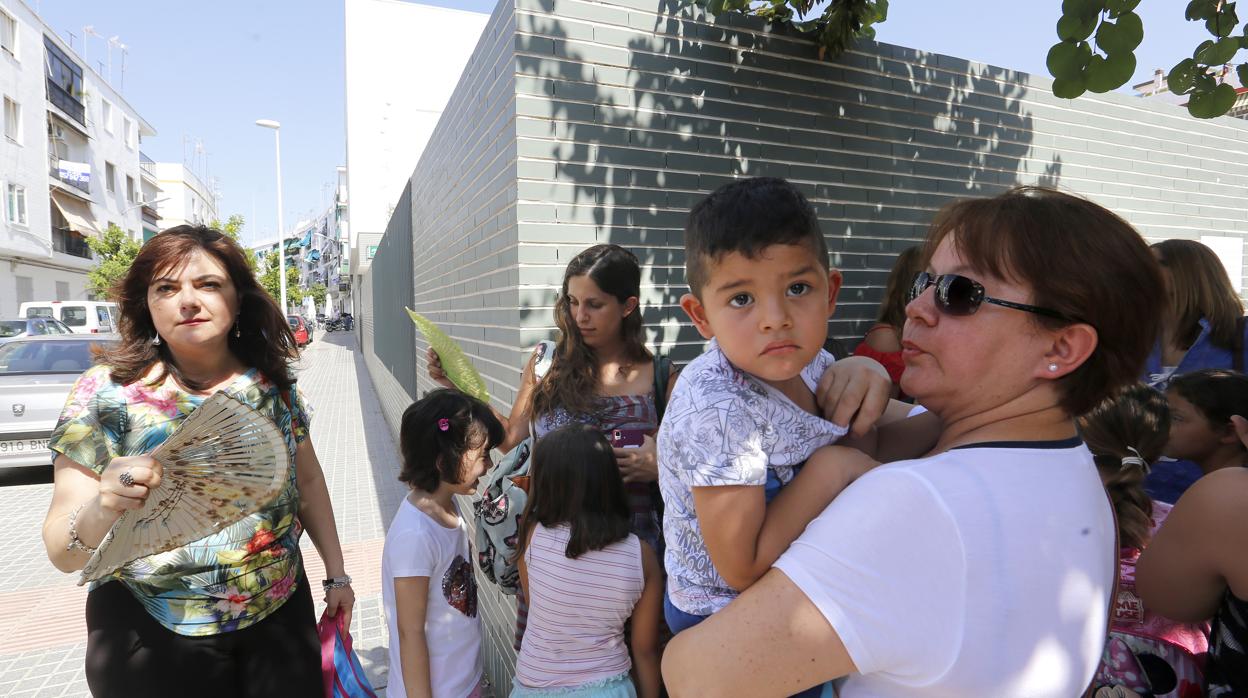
x=69, y=162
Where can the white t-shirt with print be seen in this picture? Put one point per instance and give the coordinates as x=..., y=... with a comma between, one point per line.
x=723, y=426
x=982, y=571
x=418, y=546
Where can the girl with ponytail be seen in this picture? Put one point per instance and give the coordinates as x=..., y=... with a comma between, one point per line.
x=1145, y=653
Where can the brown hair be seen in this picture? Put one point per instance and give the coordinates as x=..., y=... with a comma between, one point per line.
x=266, y=342
x=572, y=382
x=908, y=264
x=1199, y=288
x=1136, y=417
x=1046, y=239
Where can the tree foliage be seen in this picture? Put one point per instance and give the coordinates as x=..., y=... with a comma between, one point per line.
x=271, y=281
x=1095, y=51
x=318, y=291
x=114, y=252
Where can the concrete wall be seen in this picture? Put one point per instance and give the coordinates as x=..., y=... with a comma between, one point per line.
x=581, y=122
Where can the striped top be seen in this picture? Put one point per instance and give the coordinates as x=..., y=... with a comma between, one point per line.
x=578, y=610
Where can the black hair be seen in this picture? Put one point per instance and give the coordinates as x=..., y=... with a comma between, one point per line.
x=1218, y=393
x=432, y=455
x=576, y=481
x=746, y=217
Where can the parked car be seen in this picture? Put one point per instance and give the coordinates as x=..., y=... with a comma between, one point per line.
x=303, y=331
x=83, y=317
x=36, y=374
x=31, y=327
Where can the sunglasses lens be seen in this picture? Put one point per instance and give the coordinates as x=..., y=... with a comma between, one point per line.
x=959, y=295
x=921, y=281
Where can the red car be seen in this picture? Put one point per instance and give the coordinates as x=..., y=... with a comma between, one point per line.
x=301, y=329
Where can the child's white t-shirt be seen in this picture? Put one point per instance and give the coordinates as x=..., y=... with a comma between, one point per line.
x=723, y=426
x=418, y=546
x=982, y=571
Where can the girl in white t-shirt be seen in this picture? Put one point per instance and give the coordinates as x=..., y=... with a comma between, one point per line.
x=587, y=579
x=428, y=588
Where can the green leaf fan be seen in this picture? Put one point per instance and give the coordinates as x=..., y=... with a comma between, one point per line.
x=454, y=362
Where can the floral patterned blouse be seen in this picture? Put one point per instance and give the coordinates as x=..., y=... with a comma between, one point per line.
x=231, y=579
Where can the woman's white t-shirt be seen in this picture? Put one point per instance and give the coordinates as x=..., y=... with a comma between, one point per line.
x=418, y=546
x=982, y=571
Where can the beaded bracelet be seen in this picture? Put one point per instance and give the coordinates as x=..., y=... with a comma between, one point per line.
x=74, y=540
x=336, y=582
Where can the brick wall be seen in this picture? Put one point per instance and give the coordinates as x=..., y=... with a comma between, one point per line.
x=581, y=122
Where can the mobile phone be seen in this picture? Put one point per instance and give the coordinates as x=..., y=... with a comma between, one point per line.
x=627, y=438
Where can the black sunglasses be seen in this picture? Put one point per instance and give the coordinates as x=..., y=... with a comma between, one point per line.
x=958, y=295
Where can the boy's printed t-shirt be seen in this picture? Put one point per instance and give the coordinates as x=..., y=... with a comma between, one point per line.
x=723, y=426
x=418, y=546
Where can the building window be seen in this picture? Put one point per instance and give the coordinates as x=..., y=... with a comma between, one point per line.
x=107, y=115
x=110, y=178
x=128, y=132
x=16, y=204
x=62, y=290
x=131, y=195
x=12, y=120
x=25, y=289
x=8, y=33
x=64, y=81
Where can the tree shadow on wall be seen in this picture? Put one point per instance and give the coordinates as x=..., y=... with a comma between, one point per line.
x=650, y=111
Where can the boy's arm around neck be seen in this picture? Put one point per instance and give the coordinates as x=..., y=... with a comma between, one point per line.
x=744, y=535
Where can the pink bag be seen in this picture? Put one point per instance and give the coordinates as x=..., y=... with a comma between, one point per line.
x=340, y=667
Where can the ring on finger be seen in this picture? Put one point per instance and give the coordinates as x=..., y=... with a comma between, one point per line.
x=126, y=479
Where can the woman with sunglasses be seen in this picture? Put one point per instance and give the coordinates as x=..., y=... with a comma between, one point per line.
x=984, y=568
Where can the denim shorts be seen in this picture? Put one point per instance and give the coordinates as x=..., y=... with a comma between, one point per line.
x=620, y=686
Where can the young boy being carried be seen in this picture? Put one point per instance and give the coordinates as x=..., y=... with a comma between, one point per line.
x=744, y=420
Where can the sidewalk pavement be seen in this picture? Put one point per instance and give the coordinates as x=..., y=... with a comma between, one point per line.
x=42, y=626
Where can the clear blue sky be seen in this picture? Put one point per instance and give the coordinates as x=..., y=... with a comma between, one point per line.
x=208, y=70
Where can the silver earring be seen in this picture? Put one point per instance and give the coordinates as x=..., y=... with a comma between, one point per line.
x=1052, y=368
x=156, y=341
x=237, y=332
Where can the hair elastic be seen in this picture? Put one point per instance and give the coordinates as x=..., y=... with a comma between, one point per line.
x=444, y=424
x=1137, y=459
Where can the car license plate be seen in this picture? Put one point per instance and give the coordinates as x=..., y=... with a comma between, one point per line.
x=23, y=447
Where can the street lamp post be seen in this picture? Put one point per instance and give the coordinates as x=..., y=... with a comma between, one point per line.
x=281, y=231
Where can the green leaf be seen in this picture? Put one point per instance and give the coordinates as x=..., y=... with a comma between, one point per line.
x=1182, y=76
x=1068, y=59
x=1118, y=7
x=1200, y=9
x=1069, y=88
x=1082, y=7
x=1217, y=52
x=1075, y=27
x=1216, y=102
x=1121, y=36
x=1202, y=47
x=1110, y=73
x=1242, y=71
x=1204, y=81
x=1222, y=23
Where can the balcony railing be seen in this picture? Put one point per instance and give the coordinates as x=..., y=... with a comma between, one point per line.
x=68, y=104
x=55, y=172
x=70, y=243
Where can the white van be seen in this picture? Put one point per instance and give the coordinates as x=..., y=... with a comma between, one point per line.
x=83, y=317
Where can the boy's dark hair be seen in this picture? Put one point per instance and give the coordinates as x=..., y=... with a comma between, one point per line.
x=746, y=217
x=1135, y=421
x=576, y=481
x=1218, y=393
x=431, y=455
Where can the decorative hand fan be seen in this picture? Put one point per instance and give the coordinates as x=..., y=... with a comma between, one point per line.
x=222, y=464
x=454, y=363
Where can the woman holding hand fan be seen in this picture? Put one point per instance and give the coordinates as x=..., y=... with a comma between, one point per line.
x=234, y=606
